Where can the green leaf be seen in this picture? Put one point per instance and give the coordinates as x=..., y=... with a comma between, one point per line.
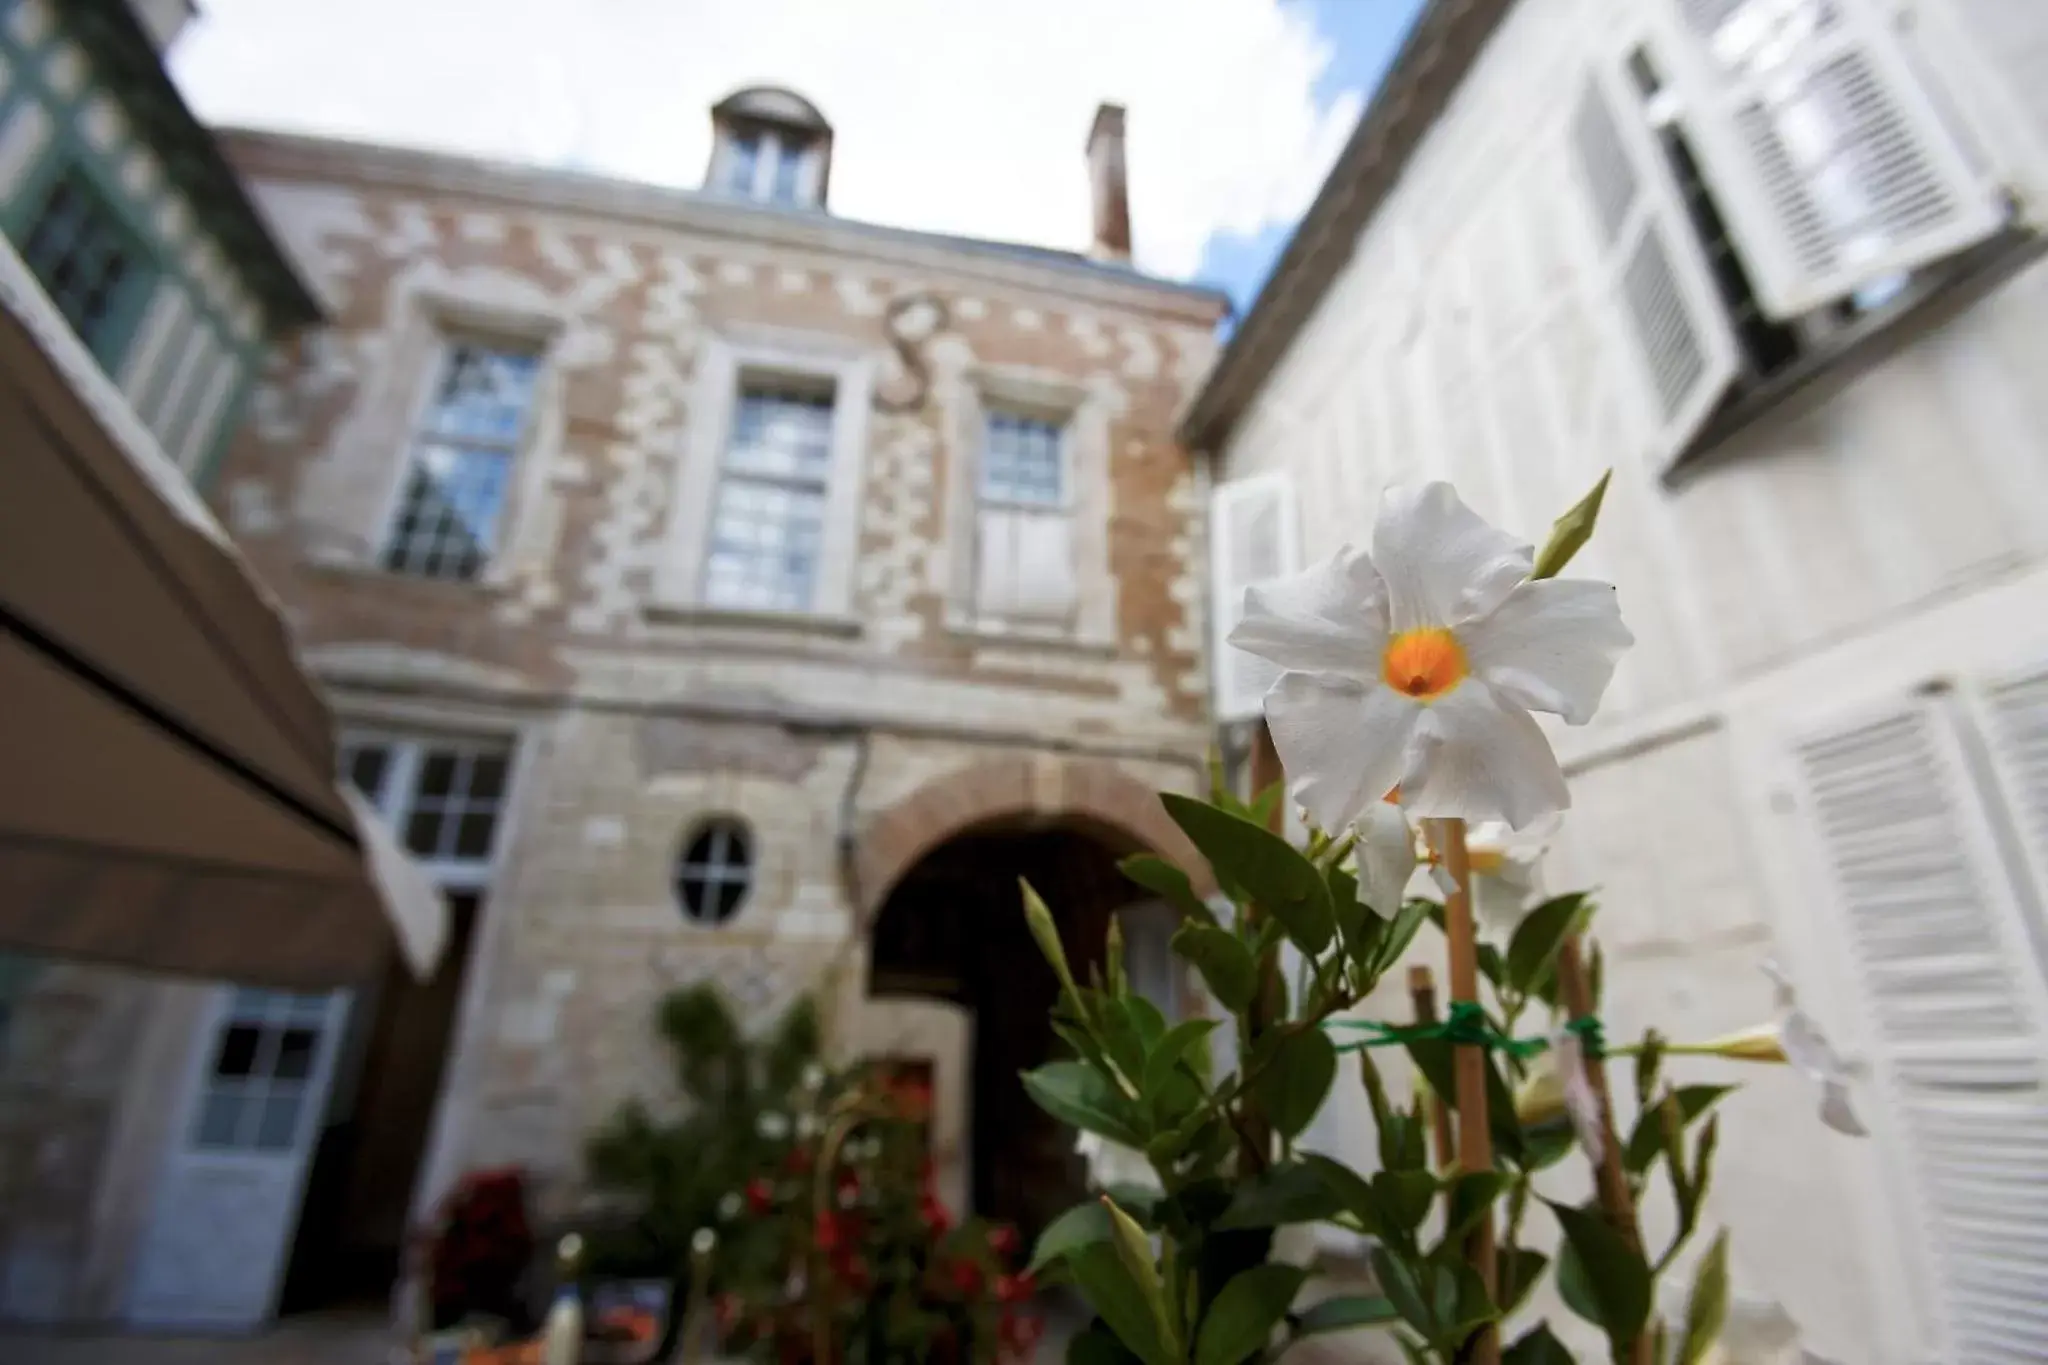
x=1536, y=1347
x=1614, y=1282
x=1117, y=1029
x=1354, y=921
x=1169, y=883
x=1532, y=952
x=1647, y=1141
x=1262, y=864
x=1400, y=933
x=1461, y=1302
x=1082, y=1225
x=1226, y=965
x=1472, y=1195
x=1163, y=1061
x=1079, y=1096
x=1707, y=1310
x=1298, y=1069
x=1146, y=1018
x=1348, y=1187
x=1546, y=1146
x=1345, y=1312
x=1397, y=1279
x=1649, y=1065
x=1134, y=1248
x=1290, y=1193
x=1403, y=1198
x=1266, y=804
x=1434, y=1058
x=1117, y=1298
x=1415, y=1353
x=1245, y=1313
x=1571, y=531
x=1517, y=1271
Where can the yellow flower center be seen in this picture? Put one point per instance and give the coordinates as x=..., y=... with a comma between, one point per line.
x=1424, y=663
x=1486, y=862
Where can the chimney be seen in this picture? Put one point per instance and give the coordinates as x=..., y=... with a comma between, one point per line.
x=1112, y=240
x=164, y=20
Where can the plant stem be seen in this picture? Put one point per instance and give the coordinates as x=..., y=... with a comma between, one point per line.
x=1475, y=1140
x=1422, y=992
x=1255, y=1133
x=1575, y=991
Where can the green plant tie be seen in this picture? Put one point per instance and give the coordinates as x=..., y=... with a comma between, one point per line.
x=1466, y=1024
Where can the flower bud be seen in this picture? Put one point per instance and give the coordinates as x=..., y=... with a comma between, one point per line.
x=1539, y=1099
x=1759, y=1044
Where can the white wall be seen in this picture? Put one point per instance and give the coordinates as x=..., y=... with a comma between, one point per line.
x=1841, y=553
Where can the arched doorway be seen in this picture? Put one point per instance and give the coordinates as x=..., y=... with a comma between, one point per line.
x=946, y=923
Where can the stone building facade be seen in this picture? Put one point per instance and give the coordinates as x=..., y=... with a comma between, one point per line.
x=689, y=570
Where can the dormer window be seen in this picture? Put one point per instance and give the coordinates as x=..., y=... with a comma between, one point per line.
x=770, y=146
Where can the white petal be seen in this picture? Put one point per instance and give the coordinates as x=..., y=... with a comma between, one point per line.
x=1331, y=618
x=1498, y=903
x=1476, y=758
x=1442, y=564
x=1445, y=882
x=1340, y=741
x=1551, y=646
x=1836, y=1112
x=1580, y=1101
x=1808, y=1050
x=1386, y=858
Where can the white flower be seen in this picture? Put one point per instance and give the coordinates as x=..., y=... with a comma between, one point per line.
x=1112, y=1163
x=703, y=1240
x=773, y=1125
x=1807, y=1050
x=728, y=1208
x=1504, y=865
x=1417, y=666
x=1386, y=857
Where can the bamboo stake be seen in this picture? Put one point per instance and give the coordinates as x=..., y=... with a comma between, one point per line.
x=1422, y=991
x=1475, y=1140
x=1575, y=991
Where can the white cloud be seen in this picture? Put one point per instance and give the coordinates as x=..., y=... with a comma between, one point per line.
x=963, y=116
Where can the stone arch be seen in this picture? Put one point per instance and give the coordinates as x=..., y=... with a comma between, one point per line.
x=1094, y=794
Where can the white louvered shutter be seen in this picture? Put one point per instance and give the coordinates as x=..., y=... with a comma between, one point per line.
x=1253, y=536
x=1827, y=154
x=1653, y=265
x=1941, y=953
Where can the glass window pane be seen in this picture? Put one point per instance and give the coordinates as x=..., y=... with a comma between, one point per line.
x=782, y=434
x=487, y=778
x=423, y=831
x=308, y=1009
x=86, y=262
x=237, y=1055
x=219, y=1116
x=280, y=1118
x=295, y=1054
x=366, y=767
x=437, y=773
x=742, y=158
x=788, y=166
x=1021, y=460
x=473, y=835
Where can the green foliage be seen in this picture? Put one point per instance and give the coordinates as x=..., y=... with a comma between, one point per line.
x=1182, y=1276
x=672, y=1173
x=1707, y=1309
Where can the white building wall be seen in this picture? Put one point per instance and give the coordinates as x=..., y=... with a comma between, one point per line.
x=1845, y=548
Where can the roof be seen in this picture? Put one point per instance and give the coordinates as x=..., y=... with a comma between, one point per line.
x=262, y=152
x=772, y=104
x=121, y=51
x=1440, y=50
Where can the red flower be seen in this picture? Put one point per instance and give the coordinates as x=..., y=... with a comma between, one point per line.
x=935, y=1215
x=854, y=1271
x=1003, y=1240
x=759, y=1197
x=725, y=1310
x=1015, y=1288
x=798, y=1162
x=967, y=1278
x=830, y=1234
x=849, y=1185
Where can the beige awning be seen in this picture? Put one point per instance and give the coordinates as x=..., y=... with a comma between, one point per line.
x=167, y=791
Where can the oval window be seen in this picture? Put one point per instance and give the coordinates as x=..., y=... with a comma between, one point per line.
x=715, y=871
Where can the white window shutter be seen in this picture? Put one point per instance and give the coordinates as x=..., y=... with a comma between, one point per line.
x=1653, y=265
x=1829, y=157
x=1954, y=991
x=1253, y=536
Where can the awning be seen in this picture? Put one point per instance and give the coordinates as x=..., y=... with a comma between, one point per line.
x=167, y=789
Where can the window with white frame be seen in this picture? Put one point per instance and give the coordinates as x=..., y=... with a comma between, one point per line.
x=776, y=166
x=768, y=515
x=460, y=466
x=444, y=797
x=1770, y=180
x=1024, y=525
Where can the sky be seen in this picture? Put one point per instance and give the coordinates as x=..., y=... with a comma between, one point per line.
x=960, y=116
